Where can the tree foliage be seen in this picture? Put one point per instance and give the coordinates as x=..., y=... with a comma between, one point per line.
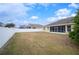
x=74, y=35
x=10, y=25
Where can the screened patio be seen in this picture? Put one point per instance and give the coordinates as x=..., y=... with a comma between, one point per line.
x=62, y=28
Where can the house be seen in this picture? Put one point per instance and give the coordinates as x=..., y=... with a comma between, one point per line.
x=22, y=26
x=34, y=26
x=60, y=26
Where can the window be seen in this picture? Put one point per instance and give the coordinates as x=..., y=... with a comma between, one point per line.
x=57, y=29
x=68, y=28
x=61, y=28
x=51, y=29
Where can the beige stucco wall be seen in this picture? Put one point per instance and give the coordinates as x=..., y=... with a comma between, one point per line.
x=47, y=29
x=72, y=27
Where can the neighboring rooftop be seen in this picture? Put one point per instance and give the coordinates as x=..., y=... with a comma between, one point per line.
x=62, y=21
x=35, y=25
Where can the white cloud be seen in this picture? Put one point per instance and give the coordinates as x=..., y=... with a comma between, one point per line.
x=63, y=12
x=51, y=19
x=73, y=5
x=13, y=12
x=44, y=4
x=14, y=9
x=34, y=17
x=32, y=5
x=60, y=14
x=47, y=4
x=54, y=19
x=73, y=15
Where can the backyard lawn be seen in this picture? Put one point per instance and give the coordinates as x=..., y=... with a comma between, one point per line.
x=40, y=43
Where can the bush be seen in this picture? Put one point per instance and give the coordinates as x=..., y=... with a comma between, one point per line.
x=74, y=35
x=76, y=40
x=10, y=25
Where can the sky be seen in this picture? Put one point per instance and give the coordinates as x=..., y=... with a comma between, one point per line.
x=36, y=13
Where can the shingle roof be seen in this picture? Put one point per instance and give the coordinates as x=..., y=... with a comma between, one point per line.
x=35, y=25
x=62, y=21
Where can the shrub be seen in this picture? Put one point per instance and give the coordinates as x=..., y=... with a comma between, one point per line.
x=9, y=25
x=74, y=35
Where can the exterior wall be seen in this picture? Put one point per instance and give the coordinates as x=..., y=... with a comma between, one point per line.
x=66, y=29
x=36, y=27
x=72, y=27
x=47, y=29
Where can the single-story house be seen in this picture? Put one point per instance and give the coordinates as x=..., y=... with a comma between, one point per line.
x=34, y=26
x=60, y=26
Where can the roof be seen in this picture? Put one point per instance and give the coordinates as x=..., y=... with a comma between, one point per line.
x=35, y=25
x=62, y=21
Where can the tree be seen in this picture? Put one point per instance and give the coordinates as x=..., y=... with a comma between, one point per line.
x=9, y=25
x=74, y=35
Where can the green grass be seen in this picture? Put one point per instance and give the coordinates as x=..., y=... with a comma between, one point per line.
x=40, y=43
